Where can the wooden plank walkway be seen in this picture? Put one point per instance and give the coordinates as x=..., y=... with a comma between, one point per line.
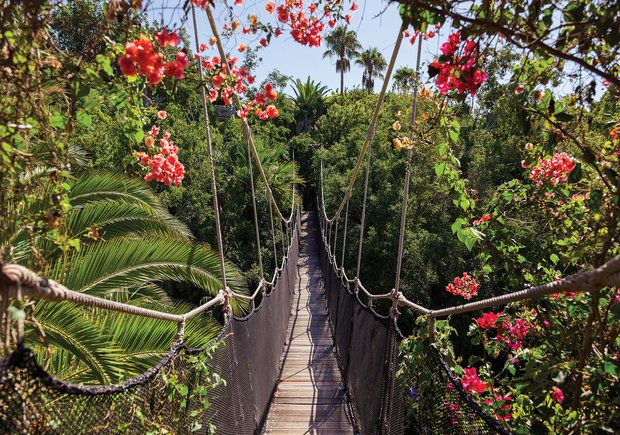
x=310, y=394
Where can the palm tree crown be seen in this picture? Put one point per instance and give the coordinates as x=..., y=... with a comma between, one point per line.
x=404, y=77
x=309, y=103
x=343, y=45
x=374, y=63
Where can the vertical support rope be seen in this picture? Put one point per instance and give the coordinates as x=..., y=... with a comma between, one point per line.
x=359, y=249
x=344, y=234
x=260, y=256
x=403, y=219
x=246, y=128
x=335, y=242
x=273, y=236
x=371, y=128
x=209, y=149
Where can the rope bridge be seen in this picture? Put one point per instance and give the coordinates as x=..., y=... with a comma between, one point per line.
x=248, y=354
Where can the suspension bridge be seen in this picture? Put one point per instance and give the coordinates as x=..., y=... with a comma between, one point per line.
x=310, y=358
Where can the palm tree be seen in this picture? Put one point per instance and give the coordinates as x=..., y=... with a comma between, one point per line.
x=128, y=245
x=374, y=63
x=343, y=45
x=309, y=103
x=404, y=77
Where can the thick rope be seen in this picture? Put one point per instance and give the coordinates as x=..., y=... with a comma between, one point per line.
x=403, y=219
x=371, y=128
x=344, y=234
x=209, y=149
x=40, y=287
x=246, y=127
x=361, y=242
x=256, y=228
x=273, y=236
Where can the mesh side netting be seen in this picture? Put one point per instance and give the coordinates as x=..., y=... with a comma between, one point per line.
x=33, y=402
x=367, y=346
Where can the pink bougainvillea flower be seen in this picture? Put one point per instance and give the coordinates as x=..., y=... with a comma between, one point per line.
x=465, y=286
x=557, y=394
x=471, y=382
x=154, y=131
x=162, y=114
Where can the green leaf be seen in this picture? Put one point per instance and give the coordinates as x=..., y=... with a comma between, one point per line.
x=554, y=258
x=439, y=169
x=84, y=118
x=57, y=121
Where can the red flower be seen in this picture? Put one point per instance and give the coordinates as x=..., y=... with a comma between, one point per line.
x=471, y=382
x=271, y=94
x=270, y=7
x=128, y=68
x=557, y=395
x=263, y=42
x=164, y=38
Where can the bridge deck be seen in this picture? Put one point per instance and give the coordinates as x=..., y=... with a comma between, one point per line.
x=310, y=394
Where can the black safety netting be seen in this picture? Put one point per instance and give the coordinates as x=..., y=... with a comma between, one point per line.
x=168, y=397
x=367, y=344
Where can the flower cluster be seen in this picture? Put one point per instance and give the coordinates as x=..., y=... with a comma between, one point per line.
x=456, y=72
x=143, y=58
x=260, y=100
x=483, y=219
x=428, y=35
x=488, y=320
x=554, y=170
x=305, y=27
x=465, y=286
x=225, y=83
x=512, y=333
x=500, y=407
x=471, y=382
x=164, y=165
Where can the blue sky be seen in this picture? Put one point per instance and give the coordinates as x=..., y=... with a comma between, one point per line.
x=376, y=23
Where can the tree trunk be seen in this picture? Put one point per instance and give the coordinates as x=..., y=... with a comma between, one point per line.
x=341, y=81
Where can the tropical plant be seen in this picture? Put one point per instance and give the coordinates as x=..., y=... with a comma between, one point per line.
x=343, y=45
x=123, y=245
x=309, y=103
x=404, y=77
x=374, y=63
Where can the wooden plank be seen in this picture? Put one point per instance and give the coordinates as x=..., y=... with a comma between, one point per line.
x=310, y=395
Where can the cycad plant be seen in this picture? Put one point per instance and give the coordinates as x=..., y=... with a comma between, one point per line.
x=374, y=63
x=127, y=245
x=309, y=103
x=343, y=45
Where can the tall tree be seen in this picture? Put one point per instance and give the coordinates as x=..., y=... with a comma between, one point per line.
x=343, y=45
x=374, y=63
x=403, y=79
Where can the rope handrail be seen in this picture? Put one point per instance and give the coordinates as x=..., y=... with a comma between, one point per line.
x=41, y=287
x=607, y=275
